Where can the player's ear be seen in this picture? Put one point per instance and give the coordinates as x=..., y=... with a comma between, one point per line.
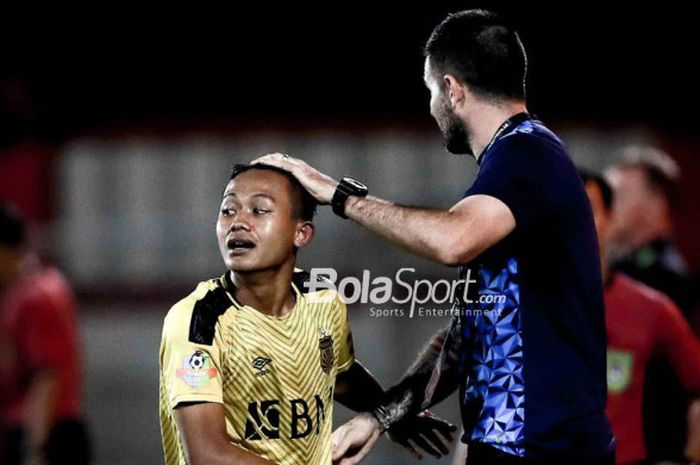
x=304, y=233
x=454, y=89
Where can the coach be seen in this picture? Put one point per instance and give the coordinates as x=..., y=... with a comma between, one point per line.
x=532, y=370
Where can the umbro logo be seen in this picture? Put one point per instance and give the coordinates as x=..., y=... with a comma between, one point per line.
x=260, y=364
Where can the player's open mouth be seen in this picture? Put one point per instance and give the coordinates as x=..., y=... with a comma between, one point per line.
x=239, y=245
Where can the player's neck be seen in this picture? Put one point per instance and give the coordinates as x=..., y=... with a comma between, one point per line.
x=269, y=292
x=485, y=119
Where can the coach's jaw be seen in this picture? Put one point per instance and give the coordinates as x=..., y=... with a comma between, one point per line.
x=446, y=93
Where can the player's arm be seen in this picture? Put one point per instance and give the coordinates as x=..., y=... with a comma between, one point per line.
x=202, y=426
x=41, y=408
x=449, y=237
x=681, y=347
x=190, y=362
x=49, y=361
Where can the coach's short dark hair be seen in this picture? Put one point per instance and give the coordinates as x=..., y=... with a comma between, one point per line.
x=603, y=185
x=480, y=49
x=305, y=210
x=12, y=230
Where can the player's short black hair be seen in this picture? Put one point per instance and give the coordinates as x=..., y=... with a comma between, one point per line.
x=603, y=185
x=479, y=48
x=12, y=230
x=305, y=210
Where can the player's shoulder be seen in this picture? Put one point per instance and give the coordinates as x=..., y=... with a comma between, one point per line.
x=41, y=284
x=51, y=280
x=185, y=306
x=198, y=312
x=650, y=297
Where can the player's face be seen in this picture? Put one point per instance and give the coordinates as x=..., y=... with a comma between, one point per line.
x=633, y=199
x=452, y=127
x=256, y=228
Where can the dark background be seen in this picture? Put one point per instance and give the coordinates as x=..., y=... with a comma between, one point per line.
x=167, y=69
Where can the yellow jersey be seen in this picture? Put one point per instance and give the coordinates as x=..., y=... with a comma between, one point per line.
x=275, y=376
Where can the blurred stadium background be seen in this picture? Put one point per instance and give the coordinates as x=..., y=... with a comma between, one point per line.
x=117, y=135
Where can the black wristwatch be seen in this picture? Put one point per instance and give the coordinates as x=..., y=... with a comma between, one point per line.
x=346, y=188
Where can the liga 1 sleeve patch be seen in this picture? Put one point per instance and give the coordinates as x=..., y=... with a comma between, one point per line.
x=620, y=365
x=197, y=369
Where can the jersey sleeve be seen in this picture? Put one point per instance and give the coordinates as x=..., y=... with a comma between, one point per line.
x=346, y=350
x=506, y=174
x=190, y=371
x=679, y=344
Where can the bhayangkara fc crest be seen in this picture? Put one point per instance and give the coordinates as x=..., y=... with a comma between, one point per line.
x=325, y=345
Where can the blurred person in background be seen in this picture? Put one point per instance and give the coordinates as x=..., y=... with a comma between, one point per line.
x=40, y=407
x=25, y=154
x=640, y=322
x=645, y=183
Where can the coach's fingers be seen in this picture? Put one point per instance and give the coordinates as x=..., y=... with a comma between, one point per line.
x=274, y=160
x=411, y=450
x=320, y=186
x=281, y=160
x=432, y=422
x=421, y=442
x=445, y=428
x=437, y=441
x=271, y=156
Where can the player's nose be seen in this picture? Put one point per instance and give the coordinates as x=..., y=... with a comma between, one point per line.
x=240, y=222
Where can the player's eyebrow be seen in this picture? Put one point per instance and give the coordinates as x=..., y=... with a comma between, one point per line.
x=233, y=194
x=265, y=196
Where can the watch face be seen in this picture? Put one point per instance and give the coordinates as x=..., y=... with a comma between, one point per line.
x=356, y=185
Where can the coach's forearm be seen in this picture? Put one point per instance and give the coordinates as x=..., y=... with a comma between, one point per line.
x=408, y=397
x=357, y=389
x=428, y=233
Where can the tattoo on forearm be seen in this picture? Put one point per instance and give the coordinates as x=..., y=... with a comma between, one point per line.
x=430, y=379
